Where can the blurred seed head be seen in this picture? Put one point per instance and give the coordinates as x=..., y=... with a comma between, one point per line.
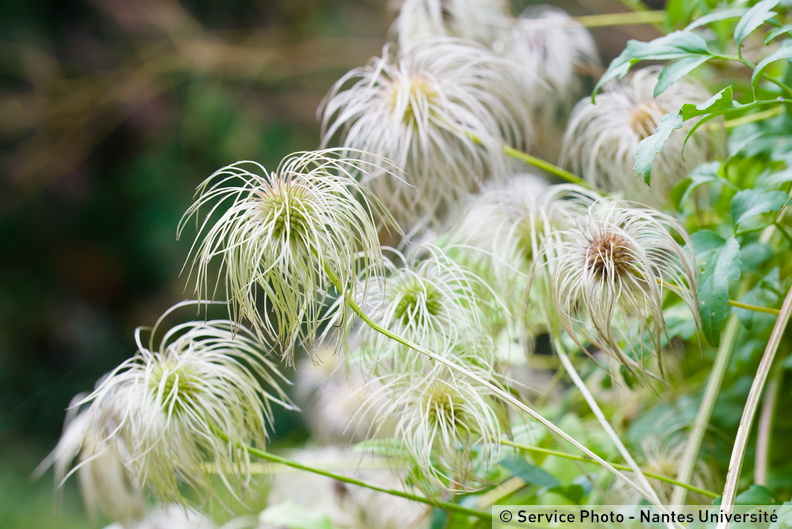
x=601, y=138
x=180, y=408
x=557, y=59
x=478, y=20
x=442, y=109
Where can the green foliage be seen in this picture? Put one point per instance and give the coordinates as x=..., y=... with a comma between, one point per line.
x=718, y=260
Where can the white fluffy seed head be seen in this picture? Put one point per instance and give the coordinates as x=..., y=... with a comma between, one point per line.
x=171, y=400
x=105, y=483
x=610, y=274
x=601, y=138
x=442, y=109
x=478, y=20
x=440, y=418
x=428, y=299
x=557, y=59
x=284, y=236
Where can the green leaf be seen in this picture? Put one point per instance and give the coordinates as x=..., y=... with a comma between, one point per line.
x=723, y=100
x=784, y=514
x=718, y=262
x=764, y=294
x=676, y=45
x=755, y=17
x=756, y=495
x=751, y=202
x=785, y=52
x=649, y=147
x=726, y=14
x=676, y=70
x=573, y=492
x=529, y=473
x=778, y=31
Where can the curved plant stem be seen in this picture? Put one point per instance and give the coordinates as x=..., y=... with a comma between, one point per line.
x=507, y=397
x=546, y=166
x=621, y=19
x=714, y=383
x=765, y=427
x=452, y=507
x=614, y=437
x=754, y=308
x=573, y=457
x=749, y=412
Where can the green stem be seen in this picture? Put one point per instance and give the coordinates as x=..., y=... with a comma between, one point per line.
x=749, y=412
x=751, y=118
x=754, y=308
x=707, y=406
x=592, y=402
x=536, y=162
x=573, y=457
x=621, y=19
x=546, y=166
x=765, y=427
x=452, y=507
x=507, y=397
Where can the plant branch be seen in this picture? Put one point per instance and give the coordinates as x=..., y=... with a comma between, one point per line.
x=754, y=308
x=749, y=412
x=573, y=457
x=452, y=507
x=507, y=397
x=707, y=406
x=617, y=442
x=765, y=428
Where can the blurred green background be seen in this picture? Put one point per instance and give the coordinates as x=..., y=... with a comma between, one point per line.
x=111, y=112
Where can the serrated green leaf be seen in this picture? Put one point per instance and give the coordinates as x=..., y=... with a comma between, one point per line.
x=725, y=14
x=676, y=45
x=784, y=52
x=718, y=262
x=778, y=31
x=755, y=17
x=649, y=147
x=529, y=473
x=751, y=202
x=723, y=100
x=676, y=70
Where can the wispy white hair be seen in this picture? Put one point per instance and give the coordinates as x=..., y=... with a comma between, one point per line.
x=287, y=237
x=442, y=109
x=601, y=138
x=611, y=272
x=186, y=402
x=479, y=20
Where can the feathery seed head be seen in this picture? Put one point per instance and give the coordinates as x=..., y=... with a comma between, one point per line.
x=171, y=399
x=601, y=138
x=439, y=418
x=106, y=484
x=428, y=299
x=477, y=20
x=609, y=275
x=504, y=235
x=442, y=109
x=557, y=58
x=285, y=235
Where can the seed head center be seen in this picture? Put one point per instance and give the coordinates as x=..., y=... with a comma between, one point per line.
x=608, y=253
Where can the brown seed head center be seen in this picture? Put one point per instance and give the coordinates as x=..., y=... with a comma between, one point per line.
x=608, y=253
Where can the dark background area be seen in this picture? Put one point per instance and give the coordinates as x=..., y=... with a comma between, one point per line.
x=110, y=114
